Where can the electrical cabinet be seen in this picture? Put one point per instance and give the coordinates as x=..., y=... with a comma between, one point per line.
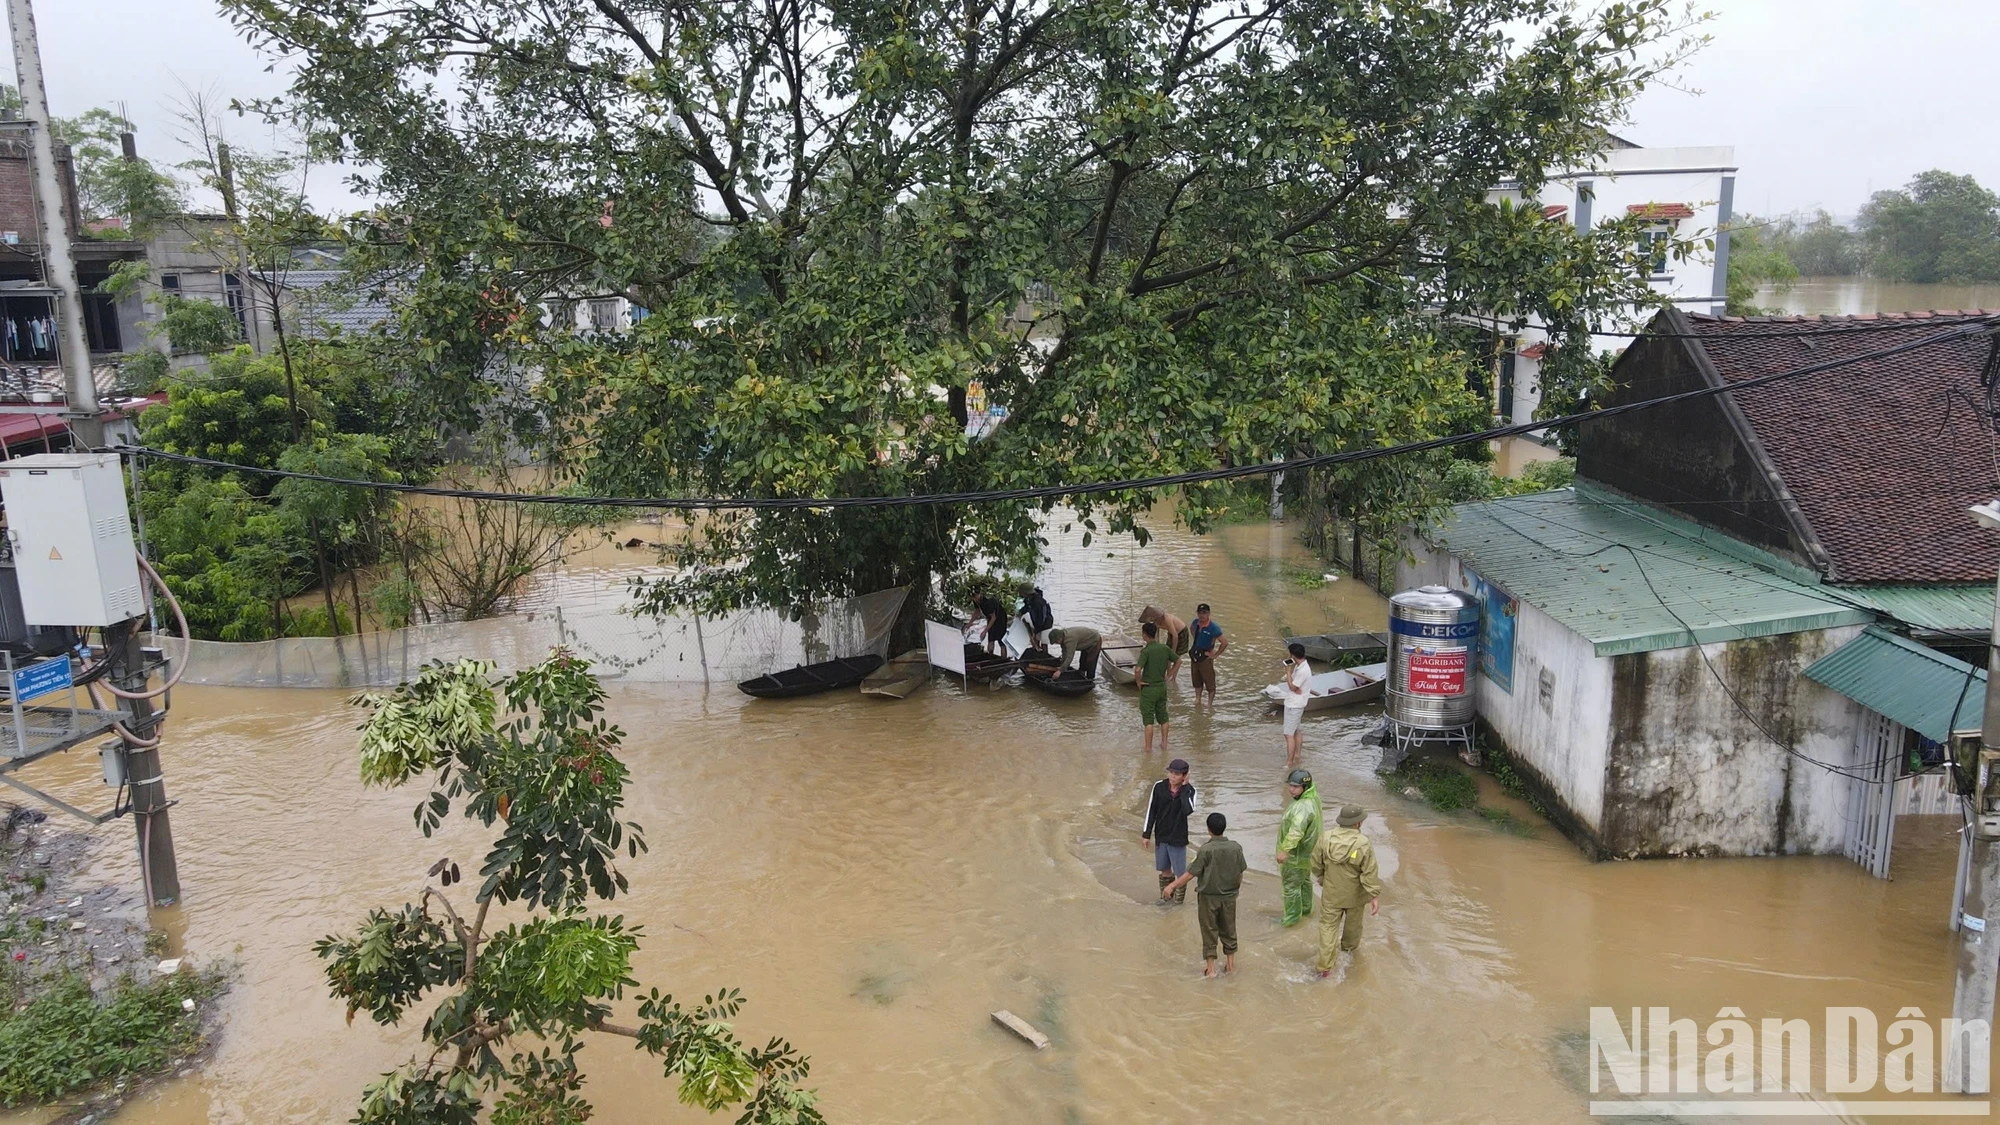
x=71, y=539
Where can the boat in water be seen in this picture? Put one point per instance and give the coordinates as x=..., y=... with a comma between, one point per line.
x=1335, y=648
x=1338, y=687
x=1119, y=662
x=811, y=679
x=899, y=677
x=1043, y=672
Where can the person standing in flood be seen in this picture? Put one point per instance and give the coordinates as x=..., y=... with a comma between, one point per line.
x=1348, y=880
x=1173, y=631
x=1298, y=691
x=1154, y=667
x=1218, y=871
x=1037, y=614
x=1172, y=802
x=1207, y=643
x=1298, y=840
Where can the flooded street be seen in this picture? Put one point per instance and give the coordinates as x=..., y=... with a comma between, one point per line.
x=879, y=876
x=1847, y=296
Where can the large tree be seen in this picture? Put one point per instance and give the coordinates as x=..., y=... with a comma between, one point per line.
x=1164, y=236
x=1941, y=227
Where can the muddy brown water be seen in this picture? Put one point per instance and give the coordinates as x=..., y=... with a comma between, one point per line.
x=879, y=876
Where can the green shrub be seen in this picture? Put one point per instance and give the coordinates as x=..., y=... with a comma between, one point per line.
x=1443, y=786
x=66, y=1040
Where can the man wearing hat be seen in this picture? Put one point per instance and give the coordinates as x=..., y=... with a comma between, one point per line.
x=1345, y=864
x=1298, y=838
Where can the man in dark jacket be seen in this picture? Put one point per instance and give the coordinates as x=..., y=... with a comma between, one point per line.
x=1039, y=615
x=1166, y=830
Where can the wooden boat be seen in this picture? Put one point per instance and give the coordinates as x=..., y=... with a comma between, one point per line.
x=983, y=665
x=1037, y=669
x=1340, y=687
x=1119, y=662
x=1333, y=648
x=811, y=679
x=899, y=677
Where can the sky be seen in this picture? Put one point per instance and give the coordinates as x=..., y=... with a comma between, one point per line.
x=1825, y=101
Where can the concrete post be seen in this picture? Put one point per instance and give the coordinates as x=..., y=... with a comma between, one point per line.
x=1978, y=969
x=55, y=234
x=1278, y=496
x=143, y=777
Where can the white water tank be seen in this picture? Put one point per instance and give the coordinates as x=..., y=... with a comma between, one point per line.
x=1434, y=641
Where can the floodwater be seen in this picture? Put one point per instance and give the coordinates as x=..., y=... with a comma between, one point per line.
x=1846, y=296
x=880, y=876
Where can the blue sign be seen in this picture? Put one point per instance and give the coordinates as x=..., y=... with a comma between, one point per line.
x=1496, y=631
x=42, y=678
x=1459, y=631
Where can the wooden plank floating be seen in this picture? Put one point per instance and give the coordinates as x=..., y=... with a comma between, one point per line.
x=1022, y=1028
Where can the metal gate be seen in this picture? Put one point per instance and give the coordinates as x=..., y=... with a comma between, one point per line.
x=1871, y=803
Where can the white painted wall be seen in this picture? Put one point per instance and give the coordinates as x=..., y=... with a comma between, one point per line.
x=1566, y=741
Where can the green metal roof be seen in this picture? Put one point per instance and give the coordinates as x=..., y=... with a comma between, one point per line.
x=1942, y=608
x=1921, y=688
x=1566, y=553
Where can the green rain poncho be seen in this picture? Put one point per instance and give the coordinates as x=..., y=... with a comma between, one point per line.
x=1298, y=836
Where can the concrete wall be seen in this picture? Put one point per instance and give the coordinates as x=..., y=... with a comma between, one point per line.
x=1562, y=745
x=1690, y=772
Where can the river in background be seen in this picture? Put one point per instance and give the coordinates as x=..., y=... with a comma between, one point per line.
x=879, y=876
x=1846, y=296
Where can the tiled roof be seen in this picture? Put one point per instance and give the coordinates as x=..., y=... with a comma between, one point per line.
x=1555, y=210
x=1661, y=210
x=1883, y=455
x=328, y=301
x=1534, y=351
x=1628, y=578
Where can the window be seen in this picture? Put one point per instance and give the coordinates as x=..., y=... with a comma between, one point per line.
x=1653, y=242
x=170, y=282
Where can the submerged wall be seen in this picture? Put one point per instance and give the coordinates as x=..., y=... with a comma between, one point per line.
x=1692, y=773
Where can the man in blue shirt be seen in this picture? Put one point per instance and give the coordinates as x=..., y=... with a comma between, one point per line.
x=1208, y=644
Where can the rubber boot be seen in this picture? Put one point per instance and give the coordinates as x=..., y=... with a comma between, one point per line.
x=1180, y=895
x=1164, y=880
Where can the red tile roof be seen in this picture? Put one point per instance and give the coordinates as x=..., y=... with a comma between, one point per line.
x=1534, y=351
x=1555, y=210
x=1882, y=455
x=1661, y=210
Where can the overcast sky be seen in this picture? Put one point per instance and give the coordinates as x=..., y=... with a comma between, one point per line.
x=1824, y=100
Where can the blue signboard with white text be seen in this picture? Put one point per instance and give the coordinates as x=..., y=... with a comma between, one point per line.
x=1496, y=629
x=41, y=678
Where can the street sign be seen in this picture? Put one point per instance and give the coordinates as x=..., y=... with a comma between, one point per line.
x=43, y=678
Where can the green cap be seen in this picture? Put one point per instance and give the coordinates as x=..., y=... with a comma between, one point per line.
x=1301, y=778
x=1351, y=816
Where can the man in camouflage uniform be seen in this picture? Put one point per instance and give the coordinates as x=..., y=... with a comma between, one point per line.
x=1348, y=880
x=1298, y=838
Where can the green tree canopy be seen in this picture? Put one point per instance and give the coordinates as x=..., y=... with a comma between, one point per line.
x=1941, y=227
x=1162, y=236
x=1757, y=257
x=110, y=186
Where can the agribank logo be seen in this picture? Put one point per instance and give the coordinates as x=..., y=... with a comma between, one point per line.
x=1733, y=1067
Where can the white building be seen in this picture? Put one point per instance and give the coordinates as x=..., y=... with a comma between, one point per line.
x=1683, y=192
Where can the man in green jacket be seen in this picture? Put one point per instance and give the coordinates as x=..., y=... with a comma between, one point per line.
x=1298, y=836
x=1153, y=671
x=1348, y=880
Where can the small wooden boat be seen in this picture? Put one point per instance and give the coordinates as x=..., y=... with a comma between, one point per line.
x=1039, y=670
x=983, y=665
x=1340, y=687
x=811, y=679
x=899, y=677
x=1334, y=648
x=1119, y=662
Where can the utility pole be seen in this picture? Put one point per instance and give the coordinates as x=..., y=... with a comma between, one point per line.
x=60, y=263
x=1979, y=919
x=143, y=779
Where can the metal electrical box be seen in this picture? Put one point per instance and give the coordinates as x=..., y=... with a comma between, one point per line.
x=72, y=539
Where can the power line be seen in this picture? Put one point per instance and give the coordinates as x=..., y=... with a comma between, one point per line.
x=1729, y=335
x=1057, y=491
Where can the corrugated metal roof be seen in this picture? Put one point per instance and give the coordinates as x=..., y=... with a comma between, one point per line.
x=1586, y=562
x=1944, y=608
x=1921, y=688
x=329, y=301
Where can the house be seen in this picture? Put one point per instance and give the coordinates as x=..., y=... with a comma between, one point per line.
x=1684, y=193
x=1757, y=609
x=27, y=304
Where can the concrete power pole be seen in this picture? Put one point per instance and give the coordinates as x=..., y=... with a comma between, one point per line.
x=1979, y=919
x=55, y=241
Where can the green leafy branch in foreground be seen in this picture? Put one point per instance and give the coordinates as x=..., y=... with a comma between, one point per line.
x=530, y=755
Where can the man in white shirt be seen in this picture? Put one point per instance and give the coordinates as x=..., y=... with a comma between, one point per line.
x=1298, y=685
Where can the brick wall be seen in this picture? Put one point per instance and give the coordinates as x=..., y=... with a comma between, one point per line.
x=17, y=199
